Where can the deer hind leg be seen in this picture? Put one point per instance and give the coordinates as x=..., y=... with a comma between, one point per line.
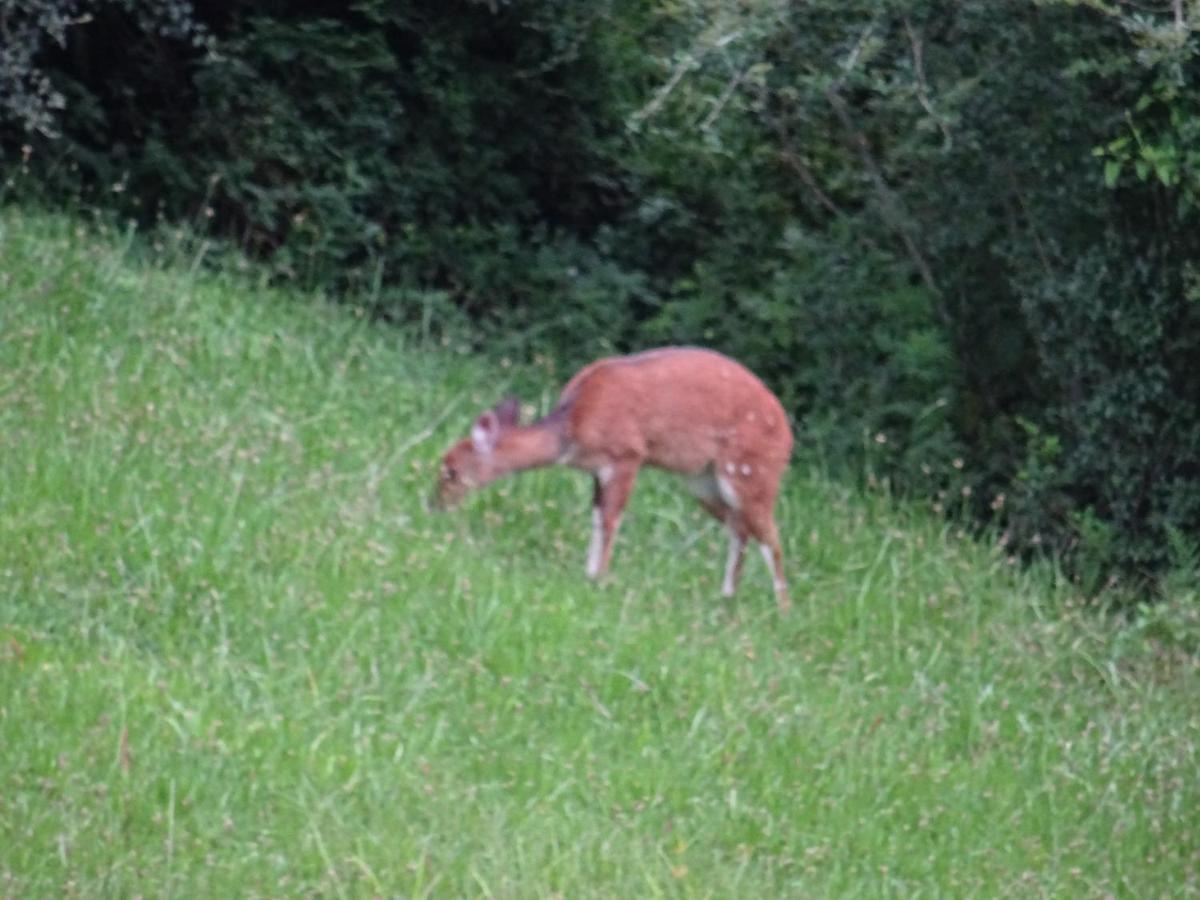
x=767, y=534
x=733, y=523
x=733, y=562
x=611, y=489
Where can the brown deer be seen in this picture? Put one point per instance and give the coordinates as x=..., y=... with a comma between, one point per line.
x=686, y=410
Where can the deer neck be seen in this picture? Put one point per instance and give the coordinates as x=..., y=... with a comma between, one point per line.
x=528, y=447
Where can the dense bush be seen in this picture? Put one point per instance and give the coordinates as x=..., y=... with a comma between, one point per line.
x=956, y=236
x=990, y=313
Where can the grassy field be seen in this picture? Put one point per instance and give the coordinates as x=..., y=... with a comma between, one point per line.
x=238, y=658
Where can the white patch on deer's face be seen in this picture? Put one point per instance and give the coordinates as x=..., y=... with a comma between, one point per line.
x=728, y=494
x=596, y=547
x=479, y=438
x=746, y=470
x=484, y=433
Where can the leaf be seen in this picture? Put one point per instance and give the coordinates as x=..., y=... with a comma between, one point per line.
x=1112, y=171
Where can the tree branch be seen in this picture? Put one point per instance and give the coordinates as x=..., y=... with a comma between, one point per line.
x=918, y=54
x=800, y=167
x=726, y=94
x=685, y=65
x=893, y=210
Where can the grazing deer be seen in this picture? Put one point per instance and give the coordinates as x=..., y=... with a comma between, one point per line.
x=689, y=411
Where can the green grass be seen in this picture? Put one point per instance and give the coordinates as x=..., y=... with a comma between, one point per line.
x=238, y=658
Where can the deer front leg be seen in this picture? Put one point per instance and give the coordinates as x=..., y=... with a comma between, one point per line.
x=596, y=547
x=611, y=489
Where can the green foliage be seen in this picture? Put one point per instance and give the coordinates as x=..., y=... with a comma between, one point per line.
x=1115, y=347
x=29, y=101
x=1161, y=137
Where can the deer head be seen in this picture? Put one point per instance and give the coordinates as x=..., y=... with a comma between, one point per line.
x=472, y=462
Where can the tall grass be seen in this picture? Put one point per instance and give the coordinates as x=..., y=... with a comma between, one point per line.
x=238, y=658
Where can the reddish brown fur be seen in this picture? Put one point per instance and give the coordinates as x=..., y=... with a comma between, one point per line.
x=686, y=410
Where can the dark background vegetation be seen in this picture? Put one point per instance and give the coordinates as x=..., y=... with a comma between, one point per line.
x=958, y=237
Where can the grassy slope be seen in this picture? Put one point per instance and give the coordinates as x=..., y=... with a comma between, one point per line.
x=237, y=658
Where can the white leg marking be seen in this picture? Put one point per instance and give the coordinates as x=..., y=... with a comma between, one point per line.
x=776, y=576
x=735, y=549
x=596, y=547
x=728, y=494
x=604, y=474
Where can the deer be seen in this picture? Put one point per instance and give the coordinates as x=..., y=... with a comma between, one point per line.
x=686, y=410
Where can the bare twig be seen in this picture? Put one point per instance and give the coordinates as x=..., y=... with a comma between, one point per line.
x=893, y=209
x=688, y=62
x=850, y=63
x=918, y=53
x=571, y=53
x=800, y=167
x=726, y=94
x=1043, y=256
x=685, y=65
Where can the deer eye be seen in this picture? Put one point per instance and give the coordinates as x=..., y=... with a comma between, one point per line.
x=449, y=474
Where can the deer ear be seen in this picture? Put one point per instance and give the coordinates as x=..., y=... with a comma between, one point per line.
x=485, y=431
x=508, y=411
